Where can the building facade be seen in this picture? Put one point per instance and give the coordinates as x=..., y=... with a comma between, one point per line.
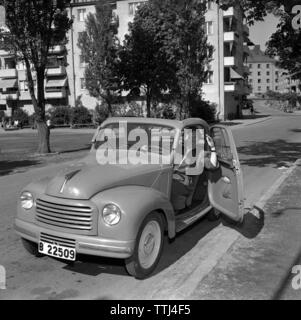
x=266, y=76
x=227, y=84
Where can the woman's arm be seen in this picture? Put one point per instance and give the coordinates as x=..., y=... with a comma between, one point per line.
x=211, y=161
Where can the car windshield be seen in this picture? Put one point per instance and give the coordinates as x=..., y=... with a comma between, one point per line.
x=150, y=138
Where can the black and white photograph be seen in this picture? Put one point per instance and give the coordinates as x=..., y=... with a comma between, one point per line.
x=150, y=152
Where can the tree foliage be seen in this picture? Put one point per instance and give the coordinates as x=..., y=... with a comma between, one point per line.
x=167, y=51
x=32, y=28
x=285, y=45
x=99, y=45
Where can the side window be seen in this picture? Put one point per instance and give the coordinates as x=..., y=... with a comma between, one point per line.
x=222, y=144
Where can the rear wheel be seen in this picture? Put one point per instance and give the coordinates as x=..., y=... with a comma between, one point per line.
x=31, y=248
x=148, y=247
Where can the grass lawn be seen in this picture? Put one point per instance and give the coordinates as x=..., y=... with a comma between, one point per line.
x=17, y=148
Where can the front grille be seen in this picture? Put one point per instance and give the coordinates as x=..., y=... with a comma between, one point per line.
x=64, y=215
x=64, y=242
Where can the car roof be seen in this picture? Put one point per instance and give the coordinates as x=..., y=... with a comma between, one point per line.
x=164, y=122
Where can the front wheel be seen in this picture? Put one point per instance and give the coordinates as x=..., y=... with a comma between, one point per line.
x=148, y=247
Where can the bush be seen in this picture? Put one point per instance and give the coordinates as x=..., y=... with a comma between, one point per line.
x=100, y=114
x=81, y=115
x=133, y=109
x=203, y=109
x=21, y=116
x=60, y=115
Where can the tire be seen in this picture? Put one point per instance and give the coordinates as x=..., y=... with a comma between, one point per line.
x=31, y=248
x=148, y=247
x=213, y=215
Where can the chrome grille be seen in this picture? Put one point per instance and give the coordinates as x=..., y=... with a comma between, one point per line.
x=64, y=242
x=64, y=215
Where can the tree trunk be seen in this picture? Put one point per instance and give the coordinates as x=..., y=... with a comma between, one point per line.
x=44, y=137
x=148, y=105
x=39, y=108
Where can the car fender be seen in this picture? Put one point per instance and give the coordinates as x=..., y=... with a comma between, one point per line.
x=135, y=202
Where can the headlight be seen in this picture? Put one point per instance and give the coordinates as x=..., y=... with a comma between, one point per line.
x=111, y=214
x=27, y=200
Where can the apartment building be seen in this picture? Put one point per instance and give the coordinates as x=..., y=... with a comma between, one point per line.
x=226, y=86
x=265, y=75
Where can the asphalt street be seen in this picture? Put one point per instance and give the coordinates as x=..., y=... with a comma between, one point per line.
x=267, y=150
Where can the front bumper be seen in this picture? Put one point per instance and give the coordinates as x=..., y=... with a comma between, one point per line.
x=89, y=245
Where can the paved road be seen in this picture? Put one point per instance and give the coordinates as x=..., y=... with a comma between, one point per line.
x=266, y=150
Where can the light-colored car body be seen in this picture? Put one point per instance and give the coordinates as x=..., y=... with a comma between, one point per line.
x=68, y=208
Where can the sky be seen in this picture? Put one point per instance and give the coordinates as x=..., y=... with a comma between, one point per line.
x=261, y=31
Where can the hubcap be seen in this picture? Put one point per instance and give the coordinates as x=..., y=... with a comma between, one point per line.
x=149, y=244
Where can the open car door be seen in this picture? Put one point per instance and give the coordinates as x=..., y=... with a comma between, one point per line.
x=225, y=185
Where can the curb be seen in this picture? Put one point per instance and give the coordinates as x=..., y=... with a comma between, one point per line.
x=261, y=203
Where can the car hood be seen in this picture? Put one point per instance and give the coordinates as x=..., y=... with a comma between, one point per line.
x=85, y=179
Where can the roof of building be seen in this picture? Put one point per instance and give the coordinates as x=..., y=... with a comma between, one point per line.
x=257, y=55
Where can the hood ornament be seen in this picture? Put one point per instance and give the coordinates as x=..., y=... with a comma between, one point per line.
x=68, y=177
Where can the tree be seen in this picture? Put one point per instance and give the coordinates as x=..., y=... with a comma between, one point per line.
x=99, y=45
x=167, y=51
x=144, y=66
x=34, y=26
x=285, y=45
x=186, y=46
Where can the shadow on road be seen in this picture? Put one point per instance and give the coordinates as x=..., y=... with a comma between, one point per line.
x=275, y=153
x=172, y=252
x=7, y=167
x=251, y=226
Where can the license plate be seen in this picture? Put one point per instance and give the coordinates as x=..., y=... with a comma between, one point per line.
x=57, y=251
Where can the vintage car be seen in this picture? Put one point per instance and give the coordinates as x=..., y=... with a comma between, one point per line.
x=123, y=210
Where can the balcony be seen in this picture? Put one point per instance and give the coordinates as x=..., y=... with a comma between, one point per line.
x=229, y=61
x=24, y=96
x=56, y=94
x=230, y=12
x=8, y=73
x=57, y=49
x=9, y=96
x=56, y=71
x=230, y=36
x=230, y=86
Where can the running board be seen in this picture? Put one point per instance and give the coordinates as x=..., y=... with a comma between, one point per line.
x=184, y=222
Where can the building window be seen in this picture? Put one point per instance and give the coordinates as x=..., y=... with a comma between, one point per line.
x=83, y=83
x=277, y=73
x=259, y=80
x=268, y=66
x=209, y=79
x=259, y=73
x=268, y=73
x=276, y=80
x=259, y=66
x=81, y=15
x=268, y=80
x=268, y=88
x=209, y=27
x=259, y=88
x=250, y=66
x=134, y=6
x=276, y=88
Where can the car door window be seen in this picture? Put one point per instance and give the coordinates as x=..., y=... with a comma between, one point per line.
x=222, y=144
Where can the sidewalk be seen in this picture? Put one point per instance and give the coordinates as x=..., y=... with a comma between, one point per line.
x=259, y=264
